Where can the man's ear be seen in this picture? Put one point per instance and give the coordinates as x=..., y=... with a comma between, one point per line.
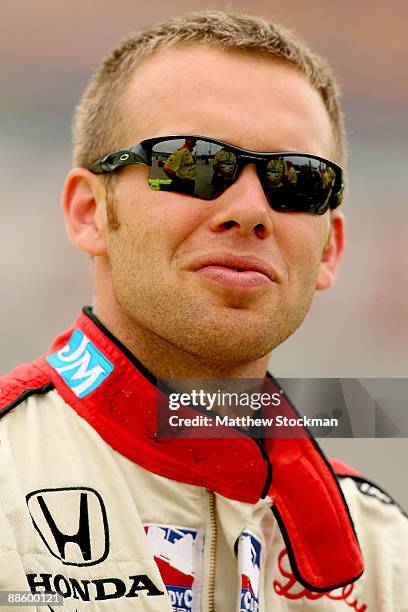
x=333, y=252
x=83, y=205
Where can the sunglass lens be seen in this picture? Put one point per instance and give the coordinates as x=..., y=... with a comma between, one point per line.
x=192, y=166
x=301, y=184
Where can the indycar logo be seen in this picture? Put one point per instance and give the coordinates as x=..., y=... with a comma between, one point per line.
x=80, y=364
x=178, y=553
x=249, y=561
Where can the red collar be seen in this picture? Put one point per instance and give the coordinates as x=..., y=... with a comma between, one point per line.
x=308, y=502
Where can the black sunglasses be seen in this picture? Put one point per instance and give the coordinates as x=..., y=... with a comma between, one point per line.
x=203, y=167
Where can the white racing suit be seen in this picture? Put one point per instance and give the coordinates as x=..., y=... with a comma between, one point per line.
x=95, y=507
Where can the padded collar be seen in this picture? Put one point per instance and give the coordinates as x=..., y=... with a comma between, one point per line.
x=307, y=500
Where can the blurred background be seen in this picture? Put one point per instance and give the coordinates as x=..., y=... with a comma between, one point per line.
x=48, y=50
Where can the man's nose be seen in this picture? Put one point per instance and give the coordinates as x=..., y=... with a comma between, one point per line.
x=243, y=206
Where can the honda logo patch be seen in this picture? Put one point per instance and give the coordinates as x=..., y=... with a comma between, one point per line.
x=72, y=523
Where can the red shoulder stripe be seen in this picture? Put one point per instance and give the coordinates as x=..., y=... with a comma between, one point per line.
x=26, y=379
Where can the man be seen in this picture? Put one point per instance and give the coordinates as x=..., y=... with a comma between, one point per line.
x=223, y=167
x=95, y=504
x=180, y=167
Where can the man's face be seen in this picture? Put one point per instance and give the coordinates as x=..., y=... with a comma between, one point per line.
x=161, y=241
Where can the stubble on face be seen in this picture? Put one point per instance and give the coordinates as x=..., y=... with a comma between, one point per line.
x=167, y=312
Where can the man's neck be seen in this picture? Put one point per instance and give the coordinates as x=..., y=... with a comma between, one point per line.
x=164, y=359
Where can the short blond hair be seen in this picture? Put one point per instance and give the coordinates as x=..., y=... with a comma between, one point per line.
x=96, y=130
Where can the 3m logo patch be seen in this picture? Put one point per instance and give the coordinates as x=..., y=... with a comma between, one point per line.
x=80, y=364
x=178, y=553
x=249, y=561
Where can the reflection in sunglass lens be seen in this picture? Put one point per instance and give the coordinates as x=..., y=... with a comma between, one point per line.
x=204, y=169
x=297, y=183
x=192, y=166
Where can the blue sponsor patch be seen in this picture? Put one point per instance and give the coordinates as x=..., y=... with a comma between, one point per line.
x=80, y=364
x=249, y=559
x=178, y=554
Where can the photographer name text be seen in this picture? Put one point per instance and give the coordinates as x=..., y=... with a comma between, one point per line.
x=248, y=421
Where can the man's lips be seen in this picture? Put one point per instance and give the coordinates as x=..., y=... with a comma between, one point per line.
x=241, y=272
x=247, y=279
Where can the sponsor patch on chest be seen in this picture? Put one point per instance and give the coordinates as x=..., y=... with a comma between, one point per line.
x=72, y=523
x=178, y=553
x=249, y=561
x=287, y=586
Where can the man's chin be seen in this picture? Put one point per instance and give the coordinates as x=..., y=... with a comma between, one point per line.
x=241, y=335
x=233, y=344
